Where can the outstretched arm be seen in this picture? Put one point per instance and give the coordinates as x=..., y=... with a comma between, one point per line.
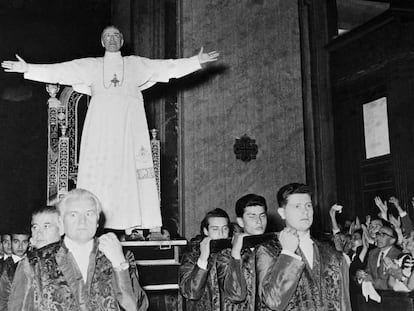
x=162, y=70
x=15, y=66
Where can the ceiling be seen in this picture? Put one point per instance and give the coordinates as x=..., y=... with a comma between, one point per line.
x=352, y=13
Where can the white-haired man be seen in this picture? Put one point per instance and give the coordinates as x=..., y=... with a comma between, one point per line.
x=81, y=272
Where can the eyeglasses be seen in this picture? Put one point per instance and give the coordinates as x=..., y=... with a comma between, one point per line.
x=381, y=234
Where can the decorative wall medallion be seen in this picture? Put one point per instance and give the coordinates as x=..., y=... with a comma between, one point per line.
x=245, y=148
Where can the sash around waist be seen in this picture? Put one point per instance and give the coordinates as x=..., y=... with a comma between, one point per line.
x=117, y=91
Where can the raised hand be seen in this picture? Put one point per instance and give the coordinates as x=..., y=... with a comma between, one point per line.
x=110, y=246
x=207, y=57
x=394, y=201
x=237, y=244
x=361, y=276
x=289, y=239
x=396, y=222
x=392, y=268
x=205, y=249
x=335, y=209
x=352, y=228
x=366, y=238
x=367, y=220
x=357, y=223
x=382, y=207
x=13, y=66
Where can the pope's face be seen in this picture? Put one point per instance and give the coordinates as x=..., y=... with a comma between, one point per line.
x=80, y=220
x=298, y=212
x=112, y=40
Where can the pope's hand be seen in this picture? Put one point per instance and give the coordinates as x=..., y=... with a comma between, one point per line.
x=207, y=57
x=110, y=246
x=13, y=66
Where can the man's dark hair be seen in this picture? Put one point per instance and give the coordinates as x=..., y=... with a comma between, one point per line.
x=359, y=231
x=289, y=189
x=3, y=235
x=46, y=209
x=217, y=212
x=383, y=221
x=250, y=199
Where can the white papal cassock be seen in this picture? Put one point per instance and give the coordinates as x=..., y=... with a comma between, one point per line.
x=115, y=157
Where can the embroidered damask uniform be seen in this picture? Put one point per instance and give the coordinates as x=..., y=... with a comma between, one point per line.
x=237, y=280
x=199, y=286
x=115, y=157
x=6, y=279
x=50, y=280
x=287, y=283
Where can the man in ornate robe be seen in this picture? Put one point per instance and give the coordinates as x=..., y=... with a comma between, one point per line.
x=295, y=272
x=6, y=246
x=236, y=266
x=198, y=273
x=45, y=230
x=115, y=160
x=81, y=272
x=19, y=245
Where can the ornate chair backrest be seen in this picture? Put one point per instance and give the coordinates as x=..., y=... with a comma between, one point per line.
x=65, y=119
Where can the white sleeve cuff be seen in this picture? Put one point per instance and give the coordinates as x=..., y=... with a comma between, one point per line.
x=403, y=214
x=291, y=254
x=335, y=231
x=202, y=264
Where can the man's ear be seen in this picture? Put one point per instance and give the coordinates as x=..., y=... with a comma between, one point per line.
x=240, y=222
x=281, y=212
x=103, y=45
x=122, y=42
x=205, y=231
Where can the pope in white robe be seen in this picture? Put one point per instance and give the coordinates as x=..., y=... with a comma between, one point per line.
x=115, y=160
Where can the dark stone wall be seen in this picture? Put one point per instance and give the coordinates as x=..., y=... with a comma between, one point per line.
x=40, y=31
x=255, y=89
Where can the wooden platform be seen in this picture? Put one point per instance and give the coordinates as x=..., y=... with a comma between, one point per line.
x=158, y=263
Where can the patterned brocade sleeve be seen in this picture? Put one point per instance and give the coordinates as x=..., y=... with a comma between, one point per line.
x=192, y=279
x=22, y=292
x=277, y=276
x=230, y=277
x=129, y=298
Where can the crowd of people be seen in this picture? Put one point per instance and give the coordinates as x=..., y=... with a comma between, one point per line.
x=62, y=264
x=294, y=271
x=379, y=251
